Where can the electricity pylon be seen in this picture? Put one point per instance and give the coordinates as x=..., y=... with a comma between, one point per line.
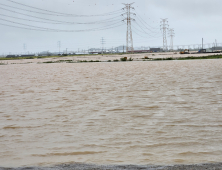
x=129, y=37
x=216, y=43
x=171, y=34
x=59, y=45
x=102, y=42
x=24, y=47
x=164, y=27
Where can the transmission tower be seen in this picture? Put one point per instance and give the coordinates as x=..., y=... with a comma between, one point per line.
x=24, y=47
x=171, y=34
x=129, y=37
x=102, y=42
x=59, y=45
x=216, y=43
x=164, y=27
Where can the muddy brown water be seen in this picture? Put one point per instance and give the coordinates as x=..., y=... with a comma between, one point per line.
x=161, y=112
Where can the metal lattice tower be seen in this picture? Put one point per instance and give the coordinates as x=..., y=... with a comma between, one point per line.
x=171, y=34
x=24, y=47
x=164, y=27
x=59, y=45
x=102, y=42
x=129, y=37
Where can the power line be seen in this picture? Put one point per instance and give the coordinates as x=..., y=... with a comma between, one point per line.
x=57, y=30
x=56, y=13
x=145, y=37
x=145, y=24
x=36, y=29
x=143, y=31
x=151, y=27
x=144, y=27
x=62, y=22
x=113, y=23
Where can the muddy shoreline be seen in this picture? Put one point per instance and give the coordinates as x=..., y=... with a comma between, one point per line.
x=77, y=166
x=106, y=58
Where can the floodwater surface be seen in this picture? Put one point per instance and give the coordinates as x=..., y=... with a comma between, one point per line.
x=162, y=112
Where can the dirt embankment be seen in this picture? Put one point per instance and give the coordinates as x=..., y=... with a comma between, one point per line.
x=217, y=166
x=102, y=58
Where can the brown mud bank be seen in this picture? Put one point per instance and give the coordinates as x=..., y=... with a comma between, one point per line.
x=216, y=166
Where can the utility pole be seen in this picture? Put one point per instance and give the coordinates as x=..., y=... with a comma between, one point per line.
x=171, y=34
x=215, y=43
x=164, y=27
x=24, y=47
x=129, y=37
x=202, y=43
x=102, y=42
x=59, y=45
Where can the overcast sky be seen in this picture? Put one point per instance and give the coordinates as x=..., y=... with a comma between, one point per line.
x=192, y=20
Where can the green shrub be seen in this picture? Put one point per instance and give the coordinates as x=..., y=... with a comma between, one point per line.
x=170, y=58
x=123, y=59
x=48, y=62
x=130, y=59
x=157, y=59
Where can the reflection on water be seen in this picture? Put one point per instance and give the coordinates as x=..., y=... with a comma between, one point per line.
x=111, y=113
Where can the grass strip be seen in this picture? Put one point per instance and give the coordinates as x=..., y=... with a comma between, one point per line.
x=191, y=58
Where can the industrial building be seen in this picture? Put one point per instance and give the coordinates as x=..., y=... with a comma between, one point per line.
x=156, y=49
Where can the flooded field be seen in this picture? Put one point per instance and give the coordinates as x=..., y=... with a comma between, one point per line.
x=160, y=112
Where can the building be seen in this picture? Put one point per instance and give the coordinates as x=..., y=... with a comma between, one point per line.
x=216, y=48
x=156, y=49
x=12, y=56
x=140, y=51
x=45, y=53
